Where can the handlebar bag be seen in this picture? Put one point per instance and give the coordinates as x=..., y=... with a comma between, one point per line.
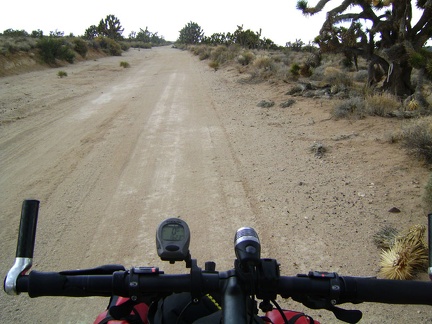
x=123, y=310
x=178, y=308
x=293, y=317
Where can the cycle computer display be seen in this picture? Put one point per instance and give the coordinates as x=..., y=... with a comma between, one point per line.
x=172, y=240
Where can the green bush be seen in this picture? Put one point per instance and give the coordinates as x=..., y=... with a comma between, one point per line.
x=62, y=74
x=109, y=46
x=52, y=49
x=295, y=69
x=80, y=46
x=124, y=64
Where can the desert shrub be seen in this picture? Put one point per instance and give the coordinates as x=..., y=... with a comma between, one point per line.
x=283, y=73
x=351, y=108
x=109, y=46
x=51, y=48
x=124, y=64
x=246, y=58
x=427, y=196
x=263, y=62
x=361, y=76
x=295, y=69
x=305, y=70
x=80, y=46
x=382, y=104
x=417, y=138
x=197, y=50
x=16, y=44
x=124, y=46
x=214, y=65
x=266, y=103
x=336, y=77
x=313, y=60
x=221, y=54
x=62, y=74
x=202, y=51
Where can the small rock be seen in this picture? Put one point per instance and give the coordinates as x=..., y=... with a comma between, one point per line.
x=394, y=210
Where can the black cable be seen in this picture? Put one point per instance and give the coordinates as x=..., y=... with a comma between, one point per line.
x=280, y=311
x=183, y=310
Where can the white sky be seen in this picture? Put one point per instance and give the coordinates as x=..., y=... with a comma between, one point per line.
x=279, y=20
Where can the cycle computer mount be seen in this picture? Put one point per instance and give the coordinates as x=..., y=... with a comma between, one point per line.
x=172, y=240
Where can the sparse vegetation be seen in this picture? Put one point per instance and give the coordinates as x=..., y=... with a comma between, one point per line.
x=108, y=45
x=80, y=46
x=52, y=49
x=337, y=78
x=214, y=65
x=246, y=58
x=351, y=108
x=124, y=64
x=406, y=255
x=382, y=104
x=417, y=138
x=385, y=237
x=62, y=74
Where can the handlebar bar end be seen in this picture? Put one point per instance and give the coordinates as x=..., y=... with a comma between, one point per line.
x=20, y=267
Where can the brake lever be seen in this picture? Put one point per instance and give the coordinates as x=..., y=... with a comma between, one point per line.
x=346, y=315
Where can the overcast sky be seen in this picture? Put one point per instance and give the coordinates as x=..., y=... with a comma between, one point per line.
x=279, y=20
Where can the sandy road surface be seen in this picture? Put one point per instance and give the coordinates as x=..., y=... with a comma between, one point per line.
x=111, y=152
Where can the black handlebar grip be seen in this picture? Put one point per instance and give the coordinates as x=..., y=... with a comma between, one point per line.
x=27, y=229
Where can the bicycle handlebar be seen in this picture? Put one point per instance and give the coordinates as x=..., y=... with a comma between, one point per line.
x=351, y=289
x=260, y=278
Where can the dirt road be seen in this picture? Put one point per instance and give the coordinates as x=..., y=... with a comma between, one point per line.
x=111, y=152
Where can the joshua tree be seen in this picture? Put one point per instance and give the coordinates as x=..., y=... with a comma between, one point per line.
x=390, y=43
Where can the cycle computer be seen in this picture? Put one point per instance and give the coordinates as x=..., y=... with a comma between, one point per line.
x=172, y=240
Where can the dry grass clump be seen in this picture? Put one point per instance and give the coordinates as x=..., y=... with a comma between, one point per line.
x=382, y=104
x=385, y=237
x=407, y=256
x=263, y=62
x=223, y=54
x=417, y=138
x=202, y=51
x=318, y=149
x=352, y=108
x=246, y=58
x=337, y=77
x=214, y=65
